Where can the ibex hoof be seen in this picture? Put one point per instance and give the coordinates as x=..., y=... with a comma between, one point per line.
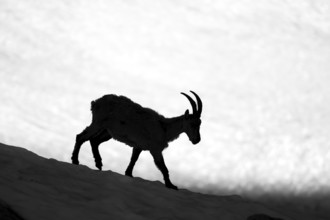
x=128, y=174
x=99, y=165
x=75, y=161
x=171, y=186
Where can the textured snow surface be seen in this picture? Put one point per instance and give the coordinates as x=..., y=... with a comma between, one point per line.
x=261, y=67
x=39, y=188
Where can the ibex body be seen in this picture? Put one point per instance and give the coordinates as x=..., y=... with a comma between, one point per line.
x=141, y=128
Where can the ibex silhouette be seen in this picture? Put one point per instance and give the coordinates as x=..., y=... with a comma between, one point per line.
x=141, y=128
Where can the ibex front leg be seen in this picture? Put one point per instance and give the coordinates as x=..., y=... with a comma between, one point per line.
x=160, y=163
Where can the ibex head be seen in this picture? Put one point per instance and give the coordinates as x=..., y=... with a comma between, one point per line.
x=192, y=122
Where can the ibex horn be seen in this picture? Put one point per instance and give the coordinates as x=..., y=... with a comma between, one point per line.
x=199, y=103
x=192, y=102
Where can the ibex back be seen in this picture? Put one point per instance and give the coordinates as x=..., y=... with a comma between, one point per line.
x=141, y=128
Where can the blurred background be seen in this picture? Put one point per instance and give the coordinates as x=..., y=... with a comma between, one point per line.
x=260, y=67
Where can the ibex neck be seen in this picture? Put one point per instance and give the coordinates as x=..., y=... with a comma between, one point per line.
x=173, y=127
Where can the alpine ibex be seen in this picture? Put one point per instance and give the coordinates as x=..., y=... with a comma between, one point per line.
x=141, y=128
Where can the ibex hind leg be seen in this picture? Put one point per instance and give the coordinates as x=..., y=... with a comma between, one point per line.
x=95, y=141
x=85, y=135
x=135, y=156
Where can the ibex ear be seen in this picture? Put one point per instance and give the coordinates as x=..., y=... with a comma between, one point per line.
x=186, y=114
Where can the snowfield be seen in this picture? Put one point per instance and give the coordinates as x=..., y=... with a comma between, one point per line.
x=38, y=188
x=261, y=68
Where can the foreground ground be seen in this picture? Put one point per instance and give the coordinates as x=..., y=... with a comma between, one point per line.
x=33, y=187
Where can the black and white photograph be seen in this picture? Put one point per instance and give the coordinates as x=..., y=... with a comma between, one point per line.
x=154, y=109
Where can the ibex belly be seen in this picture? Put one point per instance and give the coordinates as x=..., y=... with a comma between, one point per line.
x=146, y=136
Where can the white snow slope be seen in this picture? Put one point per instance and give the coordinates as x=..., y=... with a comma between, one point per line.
x=38, y=188
x=261, y=67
